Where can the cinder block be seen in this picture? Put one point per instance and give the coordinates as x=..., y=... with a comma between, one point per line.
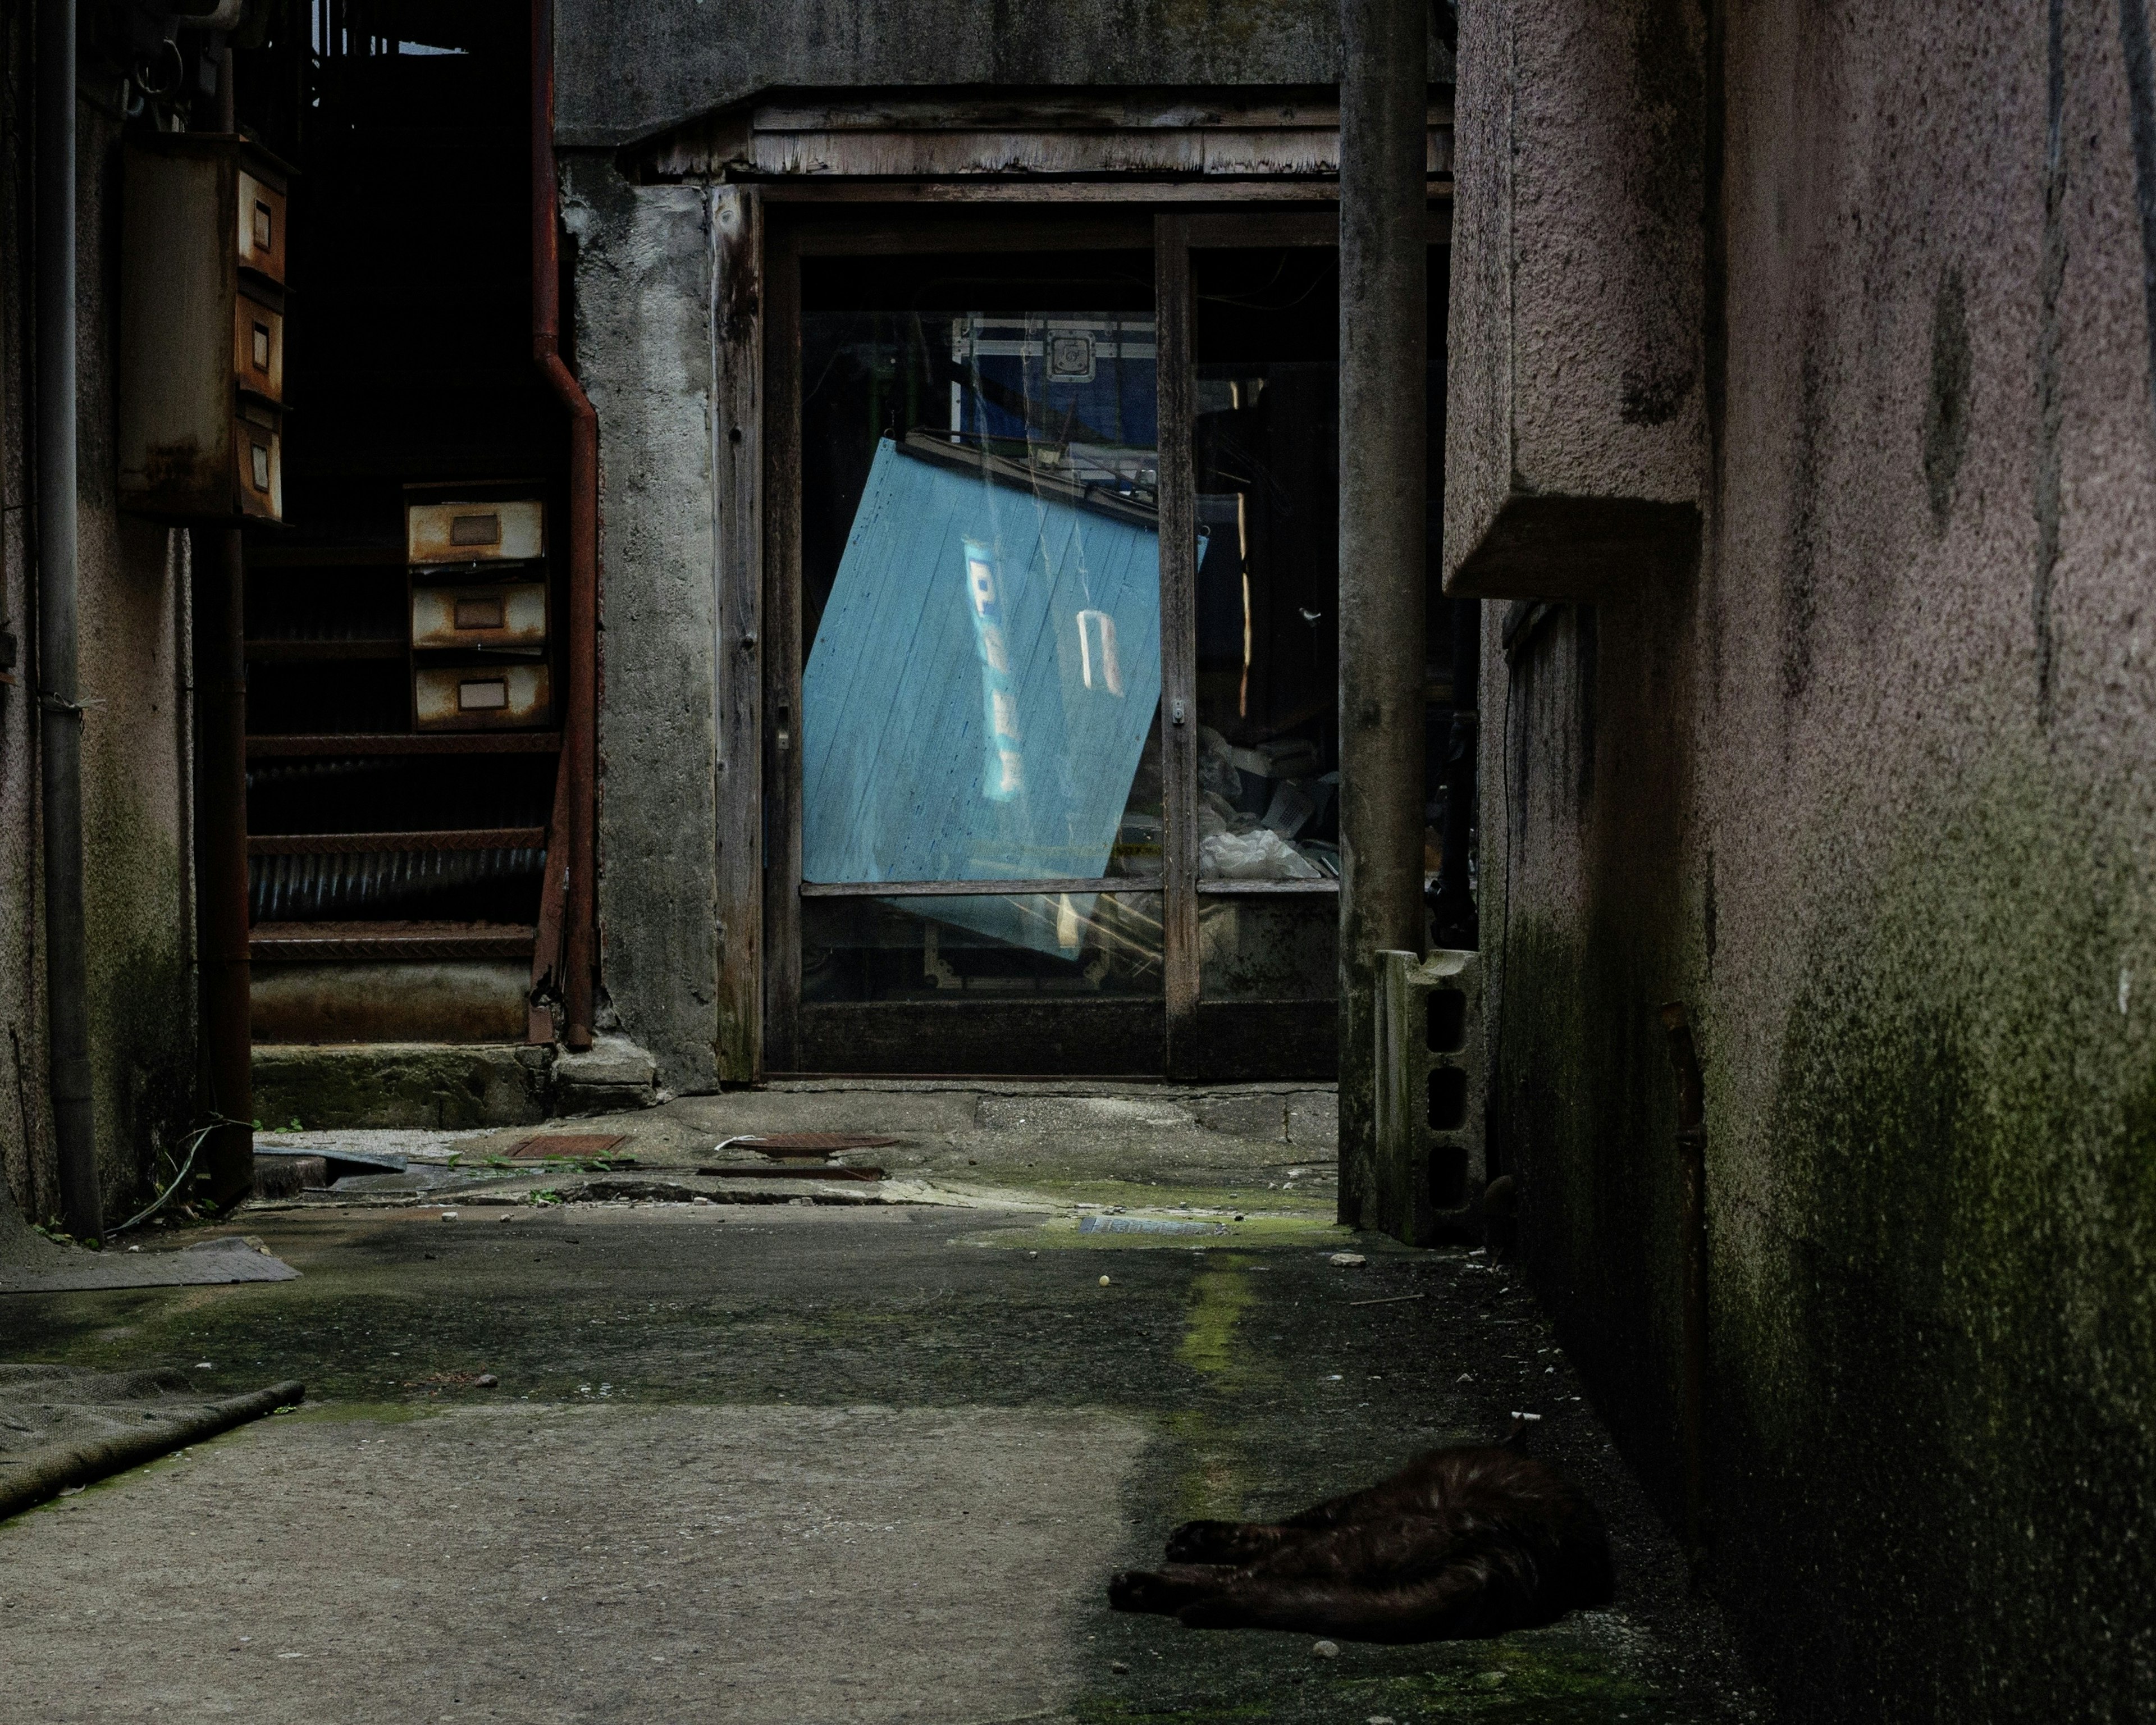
x=1431, y=1086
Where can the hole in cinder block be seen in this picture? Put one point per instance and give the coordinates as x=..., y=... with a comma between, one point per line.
x=1448, y=1021
x=1448, y=1099
x=1448, y=1177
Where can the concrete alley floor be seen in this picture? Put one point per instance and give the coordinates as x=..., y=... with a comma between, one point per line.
x=808, y=1463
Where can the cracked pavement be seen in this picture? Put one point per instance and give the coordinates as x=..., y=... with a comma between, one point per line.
x=786, y=1461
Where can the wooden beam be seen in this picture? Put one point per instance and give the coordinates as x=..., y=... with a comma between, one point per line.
x=1172, y=315
x=738, y=443
x=780, y=640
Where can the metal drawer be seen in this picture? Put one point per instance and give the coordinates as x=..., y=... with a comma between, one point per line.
x=257, y=348
x=482, y=697
x=509, y=613
x=258, y=456
x=475, y=533
x=261, y=235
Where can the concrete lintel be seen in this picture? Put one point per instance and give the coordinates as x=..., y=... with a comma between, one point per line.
x=1595, y=548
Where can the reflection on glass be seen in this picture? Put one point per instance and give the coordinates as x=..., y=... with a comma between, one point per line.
x=1076, y=943
x=1266, y=456
x=981, y=585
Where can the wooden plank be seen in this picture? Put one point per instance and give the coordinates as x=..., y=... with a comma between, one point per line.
x=1210, y=229
x=1050, y=193
x=380, y=942
x=1317, y=106
x=1010, y=1035
x=971, y=889
x=1241, y=1041
x=1265, y=888
x=875, y=234
x=1046, y=194
x=357, y=844
x=402, y=742
x=1173, y=312
x=782, y=644
x=737, y=437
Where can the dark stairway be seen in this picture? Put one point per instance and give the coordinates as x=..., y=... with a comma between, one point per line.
x=395, y=866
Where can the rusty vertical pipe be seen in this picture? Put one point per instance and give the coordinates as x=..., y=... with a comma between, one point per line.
x=219, y=571
x=1691, y=1227
x=1384, y=102
x=580, y=734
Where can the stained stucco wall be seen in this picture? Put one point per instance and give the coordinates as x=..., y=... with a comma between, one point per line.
x=1872, y=792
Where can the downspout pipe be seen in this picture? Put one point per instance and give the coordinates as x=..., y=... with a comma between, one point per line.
x=1692, y=1233
x=218, y=567
x=575, y=808
x=59, y=726
x=1385, y=105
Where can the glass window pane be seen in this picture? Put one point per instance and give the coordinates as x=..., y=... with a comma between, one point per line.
x=1076, y=943
x=980, y=576
x=1266, y=460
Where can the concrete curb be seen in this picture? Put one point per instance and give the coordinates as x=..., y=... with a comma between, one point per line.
x=46, y=1473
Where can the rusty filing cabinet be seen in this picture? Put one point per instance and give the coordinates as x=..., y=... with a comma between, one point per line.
x=202, y=330
x=478, y=615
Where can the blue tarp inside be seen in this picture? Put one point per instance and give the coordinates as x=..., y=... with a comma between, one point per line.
x=979, y=691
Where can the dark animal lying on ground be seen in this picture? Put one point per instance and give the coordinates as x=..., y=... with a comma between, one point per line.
x=1459, y=1543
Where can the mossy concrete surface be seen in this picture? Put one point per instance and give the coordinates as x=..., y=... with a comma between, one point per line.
x=400, y=1085
x=797, y=1463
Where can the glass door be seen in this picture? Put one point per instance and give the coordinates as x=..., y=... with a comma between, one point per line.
x=1051, y=759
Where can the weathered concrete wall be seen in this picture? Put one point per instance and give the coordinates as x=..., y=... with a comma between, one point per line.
x=1872, y=794
x=629, y=67
x=137, y=884
x=643, y=340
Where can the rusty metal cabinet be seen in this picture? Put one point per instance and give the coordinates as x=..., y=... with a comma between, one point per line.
x=478, y=609
x=202, y=330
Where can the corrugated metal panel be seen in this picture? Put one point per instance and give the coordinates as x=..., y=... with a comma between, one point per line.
x=961, y=719
x=377, y=884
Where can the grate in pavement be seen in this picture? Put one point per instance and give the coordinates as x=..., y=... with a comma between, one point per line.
x=566, y=1144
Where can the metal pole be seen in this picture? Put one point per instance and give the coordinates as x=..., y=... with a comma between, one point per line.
x=1383, y=235
x=219, y=571
x=67, y=981
x=580, y=730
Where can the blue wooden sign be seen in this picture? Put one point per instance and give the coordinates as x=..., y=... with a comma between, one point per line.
x=979, y=691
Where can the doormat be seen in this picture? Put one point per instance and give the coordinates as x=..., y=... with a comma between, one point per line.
x=571, y=1144
x=803, y=1144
